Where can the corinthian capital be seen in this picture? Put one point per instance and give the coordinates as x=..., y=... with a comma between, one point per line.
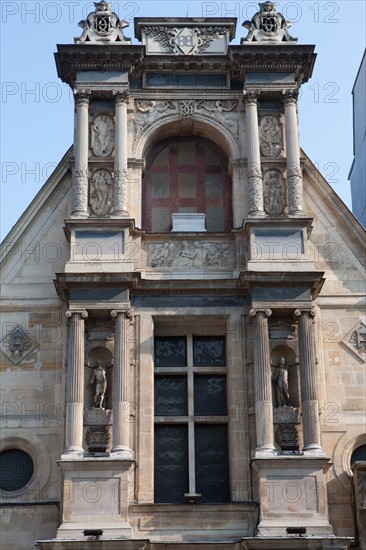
x=290, y=97
x=251, y=97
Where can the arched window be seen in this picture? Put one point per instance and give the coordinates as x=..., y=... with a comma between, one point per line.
x=186, y=174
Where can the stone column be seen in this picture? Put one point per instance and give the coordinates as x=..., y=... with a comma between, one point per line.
x=255, y=184
x=75, y=383
x=294, y=174
x=120, y=156
x=121, y=405
x=81, y=153
x=263, y=387
x=308, y=382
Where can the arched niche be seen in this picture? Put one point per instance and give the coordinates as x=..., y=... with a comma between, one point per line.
x=291, y=363
x=186, y=174
x=102, y=353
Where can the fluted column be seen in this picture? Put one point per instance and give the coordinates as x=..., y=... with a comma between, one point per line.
x=262, y=378
x=294, y=174
x=81, y=152
x=75, y=383
x=121, y=405
x=120, y=156
x=308, y=382
x=255, y=183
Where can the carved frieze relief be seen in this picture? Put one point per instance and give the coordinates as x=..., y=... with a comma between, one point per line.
x=224, y=111
x=190, y=254
x=101, y=192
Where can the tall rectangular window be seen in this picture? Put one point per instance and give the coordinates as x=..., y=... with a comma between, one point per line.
x=191, y=444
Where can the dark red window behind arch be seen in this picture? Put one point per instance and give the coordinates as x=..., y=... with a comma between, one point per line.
x=186, y=175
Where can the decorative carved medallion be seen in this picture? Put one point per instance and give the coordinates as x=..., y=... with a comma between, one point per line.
x=273, y=192
x=355, y=340
x=270, y=136
x=287, y=437
x=97, y=439
x=185, y=41
x=102, y=136
x=102, y=25
x=101, y=192
x=268, y=26
x=17, y=345
x=189, y=254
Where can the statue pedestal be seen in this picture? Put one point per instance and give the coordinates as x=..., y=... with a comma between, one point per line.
x=292, y=495
x=96, y=495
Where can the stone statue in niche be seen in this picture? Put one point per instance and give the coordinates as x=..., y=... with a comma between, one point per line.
x=99, y=378
x=280, y=379
x=268, y=26
x=101, y=192
x=270, y=136
x=273, y=192
x=102, y=136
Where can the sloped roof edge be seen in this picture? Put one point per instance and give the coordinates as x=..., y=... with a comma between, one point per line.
x=34, y=207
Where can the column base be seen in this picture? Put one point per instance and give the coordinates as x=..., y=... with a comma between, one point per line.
x=73, y=452
x=256, y=213
x=313, y=450
x=297, y=213
x=265, y=452
x=120, y=214
x=123, y=453
x=79, y=214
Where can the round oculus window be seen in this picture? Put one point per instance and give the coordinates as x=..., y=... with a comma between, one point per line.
x=16, y=469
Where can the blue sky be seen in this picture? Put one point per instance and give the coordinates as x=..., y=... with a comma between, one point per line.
x=37, y=108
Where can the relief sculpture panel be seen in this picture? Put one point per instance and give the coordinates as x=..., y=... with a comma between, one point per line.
x=270, y=136
x=190, y=254
x=101, y=192
x=273, y=192
x=102, y=136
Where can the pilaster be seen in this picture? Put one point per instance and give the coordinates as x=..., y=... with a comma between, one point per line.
x=262, y=376
x=255, y=183
x=75, y=384
x=294, y=174
x=81, y=151
x=120, y=158
x=308, y=381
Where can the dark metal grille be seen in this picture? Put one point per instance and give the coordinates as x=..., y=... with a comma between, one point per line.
x=16, y=469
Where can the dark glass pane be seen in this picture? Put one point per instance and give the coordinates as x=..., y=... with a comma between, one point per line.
x=212, y=463
x=170, y=395
x=208, y=351
x=170, y=351
x=16, y=469
x=210, y=395
x=171, y=463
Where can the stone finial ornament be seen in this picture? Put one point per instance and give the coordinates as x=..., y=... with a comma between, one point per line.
x=102, y=25
x=268, y=26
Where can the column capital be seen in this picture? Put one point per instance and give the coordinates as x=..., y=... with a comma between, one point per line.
x=290, y=97
x=121, y=96
x=267, y=312
x=310, y=311
x=82, y=96
x=251, y=97
x=69, y=313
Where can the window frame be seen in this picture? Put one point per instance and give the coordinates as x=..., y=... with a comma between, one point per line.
x=191, y=420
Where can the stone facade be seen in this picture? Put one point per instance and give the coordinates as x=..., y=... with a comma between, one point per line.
x=183, y=336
